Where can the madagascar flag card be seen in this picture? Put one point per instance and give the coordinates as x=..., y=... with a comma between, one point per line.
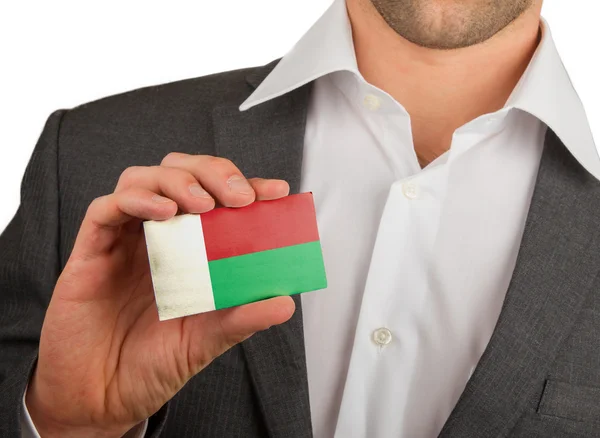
x=233, y=256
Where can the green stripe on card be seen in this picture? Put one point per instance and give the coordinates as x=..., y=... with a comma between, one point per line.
x=267, y=274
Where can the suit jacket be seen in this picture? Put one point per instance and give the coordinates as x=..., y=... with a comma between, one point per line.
x=538, y=377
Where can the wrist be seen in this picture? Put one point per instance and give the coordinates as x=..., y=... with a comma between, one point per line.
x=50, y=423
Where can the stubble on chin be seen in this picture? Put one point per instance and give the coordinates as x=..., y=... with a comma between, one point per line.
x=449, y=24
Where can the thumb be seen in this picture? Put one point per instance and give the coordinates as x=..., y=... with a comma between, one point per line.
x=211, y=334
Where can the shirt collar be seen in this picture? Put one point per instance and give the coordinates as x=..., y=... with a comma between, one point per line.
x=544, y=91
x=326, y=47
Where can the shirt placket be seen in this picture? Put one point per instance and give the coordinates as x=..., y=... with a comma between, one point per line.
x=388, y=330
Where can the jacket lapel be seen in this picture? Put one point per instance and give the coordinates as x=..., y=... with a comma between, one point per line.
x=555, y=269
x=267, y=141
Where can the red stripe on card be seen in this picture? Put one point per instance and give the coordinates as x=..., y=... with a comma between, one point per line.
x=263, y=225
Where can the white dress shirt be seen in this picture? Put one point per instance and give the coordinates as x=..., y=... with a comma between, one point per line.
x=418, y=260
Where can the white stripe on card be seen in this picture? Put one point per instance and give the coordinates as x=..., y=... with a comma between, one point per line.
x=179, y=266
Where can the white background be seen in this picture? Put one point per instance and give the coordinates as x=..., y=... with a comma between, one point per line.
x=61, y=53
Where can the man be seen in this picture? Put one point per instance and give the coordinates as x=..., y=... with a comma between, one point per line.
x=457, y=193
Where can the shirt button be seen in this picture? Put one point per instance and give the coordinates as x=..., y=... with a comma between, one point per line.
x=372, y=102
x=382, y=336
x=410, y=190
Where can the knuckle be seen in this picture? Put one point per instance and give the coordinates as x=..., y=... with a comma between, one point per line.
x=221, y=164
x=172, y=157
x=96, y=204
x=129, y=175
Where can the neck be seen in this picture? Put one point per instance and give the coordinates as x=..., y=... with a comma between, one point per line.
x=441, y=89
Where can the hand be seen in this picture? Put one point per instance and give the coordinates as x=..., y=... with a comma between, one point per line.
x=105, y=362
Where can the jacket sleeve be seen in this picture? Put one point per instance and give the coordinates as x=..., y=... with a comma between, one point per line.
x=29, y=267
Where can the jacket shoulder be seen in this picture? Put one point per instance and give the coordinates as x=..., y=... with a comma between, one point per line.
x=154, y=118
x=98, y=140
x=168, y=99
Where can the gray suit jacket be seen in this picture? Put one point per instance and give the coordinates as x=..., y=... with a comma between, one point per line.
x=539, y=376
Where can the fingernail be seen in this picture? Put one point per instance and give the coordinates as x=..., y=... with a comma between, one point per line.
x=239, y=185
x=198, y=191
x=160, y=199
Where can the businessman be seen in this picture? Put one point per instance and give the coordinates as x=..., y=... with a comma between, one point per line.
x=457, y=194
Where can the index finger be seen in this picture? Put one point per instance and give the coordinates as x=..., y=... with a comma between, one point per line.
x=219, y=176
